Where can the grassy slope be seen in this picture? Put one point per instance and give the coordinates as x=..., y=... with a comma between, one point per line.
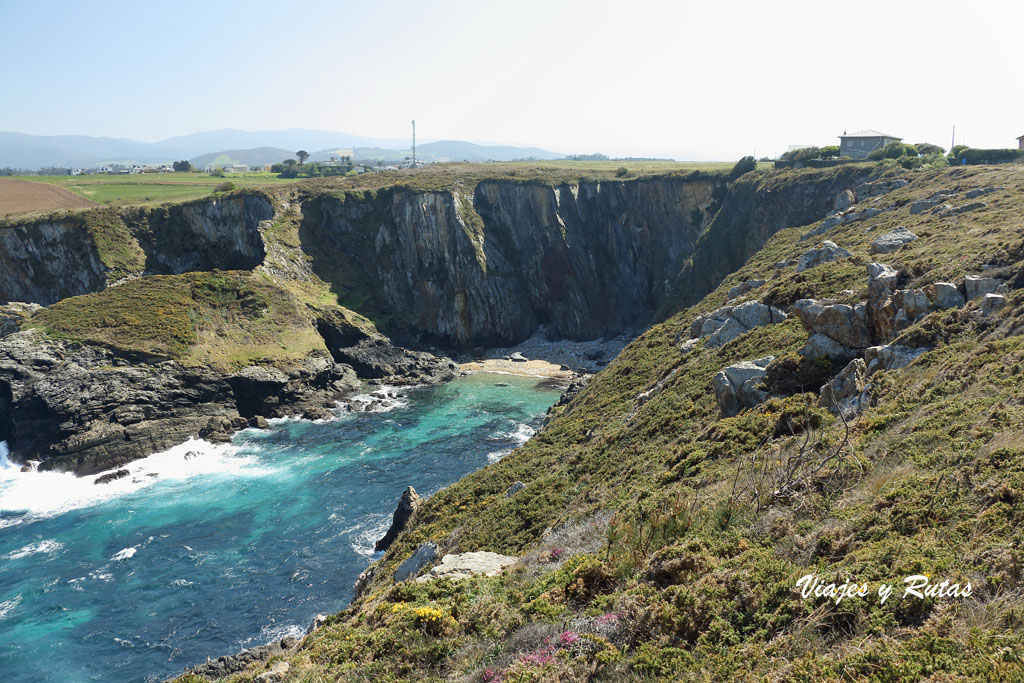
x=224, y=319
x=698, y=575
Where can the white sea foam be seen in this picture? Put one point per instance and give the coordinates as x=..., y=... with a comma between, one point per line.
x=124, y=554
x=381, y=400
x=40, y=547
x=520, y=435
x=369, y=530
x=39, y=495
x=7, y=606
x=271, y=633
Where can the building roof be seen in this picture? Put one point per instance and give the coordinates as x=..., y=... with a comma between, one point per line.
x=1021, y=137
x=870, y=134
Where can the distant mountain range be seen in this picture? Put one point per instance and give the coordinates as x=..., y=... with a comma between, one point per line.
x=19, y=150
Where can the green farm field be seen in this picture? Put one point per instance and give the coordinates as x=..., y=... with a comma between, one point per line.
x=150, y=189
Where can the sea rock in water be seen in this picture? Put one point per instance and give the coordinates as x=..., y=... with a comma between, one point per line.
x=891, y=241
x=465, y=565
x=827, y=252
x=411, y=566
x=737, y=386
x=110, y=476
x=408, y=504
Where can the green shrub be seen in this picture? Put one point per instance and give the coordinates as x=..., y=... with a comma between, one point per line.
x=224, y=187
x=894, y=150
x=744, y=165
x=621, y=171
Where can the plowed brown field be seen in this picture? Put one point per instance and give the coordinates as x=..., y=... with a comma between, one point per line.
x=25, y=196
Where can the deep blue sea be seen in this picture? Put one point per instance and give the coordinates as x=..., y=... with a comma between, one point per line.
x=232, y=545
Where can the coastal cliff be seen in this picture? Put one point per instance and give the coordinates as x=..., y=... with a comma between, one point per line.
x=487, y=266
x=256, y=304
x=842, y=406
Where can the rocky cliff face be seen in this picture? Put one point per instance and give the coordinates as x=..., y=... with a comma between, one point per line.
x=757, y=207
x=487, y=268
x=51, y=259
x=43, y=262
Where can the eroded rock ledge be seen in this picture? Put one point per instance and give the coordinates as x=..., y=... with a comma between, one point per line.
x=85, y=409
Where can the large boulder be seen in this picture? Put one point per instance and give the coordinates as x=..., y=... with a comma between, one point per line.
x=374, y=356
x=738, y=386
x=977, y=192
x=847, y=391
x=826, y=252
x=411, y=566
x=992, y=303
x=881, y=311
x=945, y=295
x=725, y=324
x=843, y=323
x=408, y=504
x=744, y=287
x=465, y=565
x=979, y=285
x=891, y=241
x=890, y=357
x=844, y=200
x=922, y=205
x=822, y=346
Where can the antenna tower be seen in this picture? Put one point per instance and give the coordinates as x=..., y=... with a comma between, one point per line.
x=414, y=142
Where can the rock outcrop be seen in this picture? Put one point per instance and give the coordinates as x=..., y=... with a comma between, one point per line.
x=465, y=565
x=408, y=504
x=826, y=252
x=222, y=667
x=891, y=241
x=890, y=357
x=725, y=324
x=45, y=260
x=738, y=386
x=847, y=392
x=85, y=409
x=13, y=315
x=420, y=558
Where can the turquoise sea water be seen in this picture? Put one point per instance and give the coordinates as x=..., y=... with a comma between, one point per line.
x=228, y=546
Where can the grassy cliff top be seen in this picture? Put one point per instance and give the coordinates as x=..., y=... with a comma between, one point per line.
x=224, y=319
x=652, y=546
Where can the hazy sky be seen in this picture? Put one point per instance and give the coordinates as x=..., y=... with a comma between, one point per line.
x=692, y=80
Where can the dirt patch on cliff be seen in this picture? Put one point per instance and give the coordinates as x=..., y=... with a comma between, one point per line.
x=25, y=196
